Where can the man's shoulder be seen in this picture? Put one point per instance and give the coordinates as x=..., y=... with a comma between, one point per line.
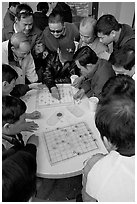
x=9, y=28
x=100, y=46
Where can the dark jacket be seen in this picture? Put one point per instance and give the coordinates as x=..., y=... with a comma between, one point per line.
x=127, y=36
x=40, y=20
x=97, y=78
x=8, y=19
x=54, y=72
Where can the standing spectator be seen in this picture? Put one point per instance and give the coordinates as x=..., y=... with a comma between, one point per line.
x=110, y=31
x=16, y=52
x=60, y=36
x=24, y=23
x=40, y=17
x=87, y=37
x=65, y=10
x=9, y=17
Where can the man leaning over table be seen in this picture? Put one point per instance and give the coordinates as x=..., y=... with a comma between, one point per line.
x=16, y=52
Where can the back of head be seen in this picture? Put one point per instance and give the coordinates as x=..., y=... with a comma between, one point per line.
x=115, y=119
x=23, y=11
x=12, y=109
x=43, y=6
x=8, y=73
x=56, y=17
x=106, y=23
x=18, y=38
x=18, y=177
x=124, y=57
x=85, y=55
x=14, y=4
x=120, y=85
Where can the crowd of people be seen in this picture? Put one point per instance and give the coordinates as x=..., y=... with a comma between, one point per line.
x=41, y=48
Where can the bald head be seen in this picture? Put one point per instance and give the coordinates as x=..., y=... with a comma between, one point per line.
x=20, y=45
x=87, y=26
x=18, y=38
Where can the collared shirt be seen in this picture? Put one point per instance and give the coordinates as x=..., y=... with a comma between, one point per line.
x=24, y=67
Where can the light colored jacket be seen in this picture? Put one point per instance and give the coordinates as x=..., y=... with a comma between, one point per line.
x=26, y=66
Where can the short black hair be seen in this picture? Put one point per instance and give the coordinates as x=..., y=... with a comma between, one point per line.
x=125, y=57
x=115, y=119
x=119, y=85
x=8, y=73
x=23, y=11
x=43, y=6
x=12, y=109
x=55, y=17
x=14, y=4
x=85, y=55
x=106, y=23
x=18, y=177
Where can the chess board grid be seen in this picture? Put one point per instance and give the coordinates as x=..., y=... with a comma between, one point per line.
x=72, y=146
x=44, y=98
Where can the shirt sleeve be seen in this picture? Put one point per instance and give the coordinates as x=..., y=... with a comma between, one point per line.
x=30, y=70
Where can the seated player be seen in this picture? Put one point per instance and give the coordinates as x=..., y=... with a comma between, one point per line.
x=14, y=121
x=111, y=177
x=118, y=85
x=94, y=72
x=9, y=77
x=19, y=173
x=123, y=61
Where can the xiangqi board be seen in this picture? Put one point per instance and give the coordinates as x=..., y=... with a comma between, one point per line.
x=45, y=99
x=70, y=141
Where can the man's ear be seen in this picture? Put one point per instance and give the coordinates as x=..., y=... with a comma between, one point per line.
x=13, y=48
x=6, y=129
x=4, y=83
x=109, y=146
x=113, y=33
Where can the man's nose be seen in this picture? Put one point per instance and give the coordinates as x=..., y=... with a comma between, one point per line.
x=28, y=27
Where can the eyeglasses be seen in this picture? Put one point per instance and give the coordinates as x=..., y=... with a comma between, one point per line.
x=56, y=31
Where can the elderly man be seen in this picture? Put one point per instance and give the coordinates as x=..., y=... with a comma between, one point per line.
x=87, y=37
x=16, y=52
x=60, y=36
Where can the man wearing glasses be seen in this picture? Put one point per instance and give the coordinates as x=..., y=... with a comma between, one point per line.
x=60, y=35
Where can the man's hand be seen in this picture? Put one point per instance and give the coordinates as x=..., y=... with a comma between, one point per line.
x=55, y=93
x=79, y=94
x=33, y=115
x=39, y=48
x=33, y=139
x=29, y=126
x=77, y=82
